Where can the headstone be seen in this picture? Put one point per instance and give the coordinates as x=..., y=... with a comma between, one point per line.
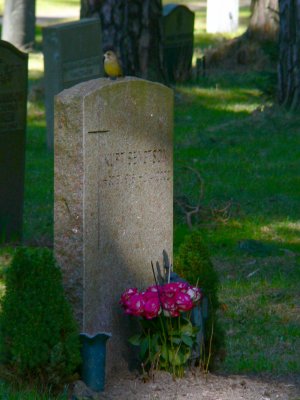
x=178, y=41
x=72, y=54
x=222, y=16
x=19, y=23
x=113, y=211
x=13, y=101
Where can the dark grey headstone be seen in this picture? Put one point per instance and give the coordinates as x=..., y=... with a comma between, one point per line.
x=19, y=23
x=258, y=248
x=13, y=99
x=178, y=41
x=72, y=54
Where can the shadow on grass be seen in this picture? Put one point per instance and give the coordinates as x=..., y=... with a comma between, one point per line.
x=38, y=204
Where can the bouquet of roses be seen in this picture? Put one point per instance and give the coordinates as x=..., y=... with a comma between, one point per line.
x=167, y=336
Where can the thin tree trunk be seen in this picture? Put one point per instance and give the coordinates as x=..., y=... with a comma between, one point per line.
x=19, y=23
x=133, y=29
x=264, y=19
x=289, y=54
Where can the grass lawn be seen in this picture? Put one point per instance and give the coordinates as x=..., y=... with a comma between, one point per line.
x=7, y=393
x=248, y=157
x=53, y=7
x=246, y=149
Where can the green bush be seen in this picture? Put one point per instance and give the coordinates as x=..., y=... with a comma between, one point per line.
x=38, y=334
x=193, y=263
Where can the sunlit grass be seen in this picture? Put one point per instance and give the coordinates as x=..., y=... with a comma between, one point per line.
x=56, y=8
x=36, y=65
x=53, y=8
x=239, y=100
x=283, y=231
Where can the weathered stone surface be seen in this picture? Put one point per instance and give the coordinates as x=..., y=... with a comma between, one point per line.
x=72, y=54
x=113, y=197
x=13, y=100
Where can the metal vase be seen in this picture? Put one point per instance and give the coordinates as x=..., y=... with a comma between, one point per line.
x=93, y=352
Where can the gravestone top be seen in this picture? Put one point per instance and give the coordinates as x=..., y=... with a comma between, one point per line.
x=13, y=111
x=168, y=8
x=178, y=23
x=72, y=54
x=85, y=88
x=113, y=196
x=11, y=47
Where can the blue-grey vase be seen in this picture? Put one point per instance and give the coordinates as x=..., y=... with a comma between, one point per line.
x=93, y=352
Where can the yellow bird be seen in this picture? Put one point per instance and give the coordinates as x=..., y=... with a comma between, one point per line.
x=112, y=66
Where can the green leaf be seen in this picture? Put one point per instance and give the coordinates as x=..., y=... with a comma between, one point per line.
x=187, y=340
x=185, y=320
x=176, y=357
x=135, y=340
x=187, y=328
x=175, y=340
x=164, y=351
x=187, y=355
x=154, y=339
x=144, y=347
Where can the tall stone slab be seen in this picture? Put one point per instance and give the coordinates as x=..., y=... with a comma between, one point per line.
x=13, y=101
x=72, y=54
x=178, y=41
x=113, y=197
x=222, y=16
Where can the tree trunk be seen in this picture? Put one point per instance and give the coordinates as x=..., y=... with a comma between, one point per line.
x=19, y=23
x=264, y=19
x=133, y=29
x=90, y=8
x=289, y=54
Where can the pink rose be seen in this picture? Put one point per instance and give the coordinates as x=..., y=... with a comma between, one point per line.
x=184, y=302
x=171, y=313
x=151, y=306
x=152, y=289
x=135, y=305
x=169, y=306
x=195, y=293
x=170, y=289
x=183, y=286
x=126, y=296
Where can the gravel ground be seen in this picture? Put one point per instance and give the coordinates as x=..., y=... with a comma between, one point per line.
x=195, y=387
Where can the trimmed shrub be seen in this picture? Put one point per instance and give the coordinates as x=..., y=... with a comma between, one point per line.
x=193, y=264
x=38, y=334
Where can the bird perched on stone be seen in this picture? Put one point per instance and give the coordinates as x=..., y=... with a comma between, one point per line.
x=112, y=66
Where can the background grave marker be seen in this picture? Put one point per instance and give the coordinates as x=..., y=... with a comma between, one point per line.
x=13, y=111
x=72, y=54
